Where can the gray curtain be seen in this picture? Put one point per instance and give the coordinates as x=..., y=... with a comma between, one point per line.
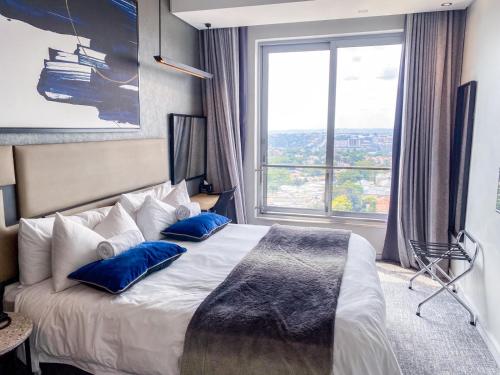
x=391, y=243
x=222, y=98
x=432, y=66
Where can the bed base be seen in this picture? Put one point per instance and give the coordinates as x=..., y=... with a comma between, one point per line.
x=60, y=369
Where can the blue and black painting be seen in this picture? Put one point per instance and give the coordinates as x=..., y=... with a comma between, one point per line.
x=102, y=74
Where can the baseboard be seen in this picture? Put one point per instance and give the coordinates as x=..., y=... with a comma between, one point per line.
x=490, y=342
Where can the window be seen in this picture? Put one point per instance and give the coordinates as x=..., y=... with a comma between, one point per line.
x=327, y=117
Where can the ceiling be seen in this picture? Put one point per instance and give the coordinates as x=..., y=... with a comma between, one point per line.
x=231, y=13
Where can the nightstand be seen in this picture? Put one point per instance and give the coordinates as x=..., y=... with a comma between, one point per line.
x=16, y=334
x=206, y=201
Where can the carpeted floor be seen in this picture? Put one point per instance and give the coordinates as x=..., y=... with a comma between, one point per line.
x=441, y=341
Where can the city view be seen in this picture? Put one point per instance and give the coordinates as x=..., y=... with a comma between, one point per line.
x=298, y=108
x=353, y=190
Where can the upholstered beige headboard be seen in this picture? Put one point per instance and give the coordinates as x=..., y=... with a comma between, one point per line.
x=73, y=177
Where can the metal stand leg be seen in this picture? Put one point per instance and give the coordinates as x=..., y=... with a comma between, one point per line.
x=423, y=271
x=446, y=286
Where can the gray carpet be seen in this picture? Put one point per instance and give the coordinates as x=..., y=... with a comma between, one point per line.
x=441, y=341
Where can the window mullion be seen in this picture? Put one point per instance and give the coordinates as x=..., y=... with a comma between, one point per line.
x=330, y=135
x=264, y=83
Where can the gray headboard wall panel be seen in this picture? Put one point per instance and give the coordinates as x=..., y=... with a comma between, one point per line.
x=54, y=177
x=8, y=235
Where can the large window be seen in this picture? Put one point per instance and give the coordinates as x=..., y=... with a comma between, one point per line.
x=327, y=117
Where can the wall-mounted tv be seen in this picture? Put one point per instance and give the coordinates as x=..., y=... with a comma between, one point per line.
x=460, y=156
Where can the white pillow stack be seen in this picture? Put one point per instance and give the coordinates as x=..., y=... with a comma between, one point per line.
x=74, y=245
x=154, y=216
x=57, y=246
x=35, y=241
x=116, y=222
x=179, y=195
x=131, y=202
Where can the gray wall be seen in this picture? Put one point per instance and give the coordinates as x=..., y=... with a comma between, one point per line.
x=481, y=62
x=374, y=231
x=162, y=90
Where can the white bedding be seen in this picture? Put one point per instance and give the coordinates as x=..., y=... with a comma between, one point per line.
x=142, y=330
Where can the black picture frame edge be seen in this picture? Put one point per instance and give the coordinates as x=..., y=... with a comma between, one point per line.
x=171, y=117
x=465, y=187
x=14, y=130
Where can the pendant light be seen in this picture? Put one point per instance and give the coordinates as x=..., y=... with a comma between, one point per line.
x=174, y=64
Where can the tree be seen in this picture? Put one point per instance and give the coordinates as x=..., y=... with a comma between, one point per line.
x=277, y=177
x=352, y=190
x=342, y=203
x=369, y=203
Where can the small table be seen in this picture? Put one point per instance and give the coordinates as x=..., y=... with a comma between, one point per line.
x=17, y=333
x=206, y=201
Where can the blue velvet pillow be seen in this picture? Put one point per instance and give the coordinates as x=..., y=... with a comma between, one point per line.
x=196, y=228
x=117, y=274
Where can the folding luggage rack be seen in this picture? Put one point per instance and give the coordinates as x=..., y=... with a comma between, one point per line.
x=428, y=255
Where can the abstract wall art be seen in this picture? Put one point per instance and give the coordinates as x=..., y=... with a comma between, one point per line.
x=69, y=64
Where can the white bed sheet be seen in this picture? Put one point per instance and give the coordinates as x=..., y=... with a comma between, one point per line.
x=142, y=330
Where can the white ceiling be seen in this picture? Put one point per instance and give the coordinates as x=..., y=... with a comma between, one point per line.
x=231, y=13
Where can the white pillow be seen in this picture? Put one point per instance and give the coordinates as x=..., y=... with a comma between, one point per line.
x=160, y=192
x=73, y=246
x=116, y=222
x=131, y=202
x=92, y=217
x=179, y=195
x=154, y=216
x=35, y=240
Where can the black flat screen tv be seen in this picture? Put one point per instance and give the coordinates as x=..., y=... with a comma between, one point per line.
x=461, y=148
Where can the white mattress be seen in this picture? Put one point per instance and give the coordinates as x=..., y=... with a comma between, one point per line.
x=142, y=330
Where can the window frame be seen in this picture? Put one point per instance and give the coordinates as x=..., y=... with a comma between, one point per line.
x=301, y=45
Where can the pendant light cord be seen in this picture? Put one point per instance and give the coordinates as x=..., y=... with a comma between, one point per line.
x=97, y=71
x=159, y=27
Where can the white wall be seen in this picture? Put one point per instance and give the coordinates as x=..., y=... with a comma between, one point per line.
x=482, y=63
x=194, y=5
x=373, y=231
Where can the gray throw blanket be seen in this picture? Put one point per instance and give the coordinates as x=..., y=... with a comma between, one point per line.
x=275, y=312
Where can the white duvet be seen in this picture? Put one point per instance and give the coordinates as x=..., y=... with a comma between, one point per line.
x=142, y=330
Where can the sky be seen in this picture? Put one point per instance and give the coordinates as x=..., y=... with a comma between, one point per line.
x=367, y=79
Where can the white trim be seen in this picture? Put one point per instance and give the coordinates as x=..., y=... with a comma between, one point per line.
x=317, y=43
x=489, y=340
x=329, y=36
x=346, y=220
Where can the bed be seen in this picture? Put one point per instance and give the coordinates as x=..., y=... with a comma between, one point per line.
x=142, y=331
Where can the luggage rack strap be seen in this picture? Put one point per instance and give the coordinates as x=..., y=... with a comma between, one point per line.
x=440, y=250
